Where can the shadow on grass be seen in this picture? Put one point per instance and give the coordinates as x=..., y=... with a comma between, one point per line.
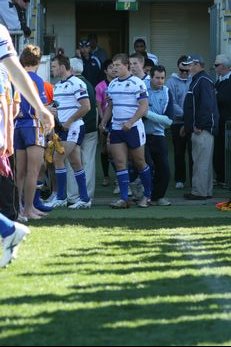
x=190, y=309
x=134, y=223
x=119, y=320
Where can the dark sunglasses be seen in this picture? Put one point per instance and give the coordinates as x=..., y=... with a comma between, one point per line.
x=184, y=70
x=216, y=65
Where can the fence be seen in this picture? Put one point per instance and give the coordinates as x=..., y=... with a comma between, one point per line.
x=228, y=153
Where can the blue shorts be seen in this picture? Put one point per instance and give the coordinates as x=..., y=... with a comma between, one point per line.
x=26, y=137
x=134, y=138
x=73, y=135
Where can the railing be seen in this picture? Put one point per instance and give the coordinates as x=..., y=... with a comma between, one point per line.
x=18, y=39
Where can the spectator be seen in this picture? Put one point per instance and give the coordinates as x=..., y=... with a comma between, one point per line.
x=91, y=64
x=156, y=148
x=178, y=84
x=97, y=51
x=201, y=120
x=140, y=47
x=223, y=86
x=101, y=101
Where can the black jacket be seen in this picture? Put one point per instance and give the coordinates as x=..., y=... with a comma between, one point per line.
x=224, y=100
x=200, y=105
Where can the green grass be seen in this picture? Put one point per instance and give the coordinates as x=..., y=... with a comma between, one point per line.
x=100, y=277
x=86, y=278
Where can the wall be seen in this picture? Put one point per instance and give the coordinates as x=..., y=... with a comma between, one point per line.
x=139, y=25
x=61, y=22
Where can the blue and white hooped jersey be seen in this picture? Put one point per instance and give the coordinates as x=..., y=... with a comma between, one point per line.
x=125, y=95
x=6, y=45
x=68, y=93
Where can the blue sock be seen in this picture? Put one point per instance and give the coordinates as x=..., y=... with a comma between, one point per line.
x=145, y=177
x=81, y=181
x=7, y=227
x=61, y=179
x=123, y=180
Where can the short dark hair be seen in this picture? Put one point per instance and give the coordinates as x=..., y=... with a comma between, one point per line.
x=159, y=68
x=182, y=59
x=139, y=41
x=148, y=62
x=63, y=60
x=107, y=63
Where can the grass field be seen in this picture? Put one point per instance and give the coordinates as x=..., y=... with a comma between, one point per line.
x=86, y=278
x=137, y=277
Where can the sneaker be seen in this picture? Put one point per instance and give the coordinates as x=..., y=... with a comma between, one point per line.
x=72, y=201
x=22, y=218
x=161, y=202
x=57, y=203
x=51, y=198
x=10, y=242
x=137, y=189
x=116, y=189
x=179, y=185
x=129, y=191
x=120, y=204
x=80, y=204
x=144, y=202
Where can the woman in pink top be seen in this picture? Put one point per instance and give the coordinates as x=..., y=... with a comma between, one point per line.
x=101, y=101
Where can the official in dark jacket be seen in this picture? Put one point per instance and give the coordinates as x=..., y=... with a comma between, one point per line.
x=201, y=120
x=223, y=86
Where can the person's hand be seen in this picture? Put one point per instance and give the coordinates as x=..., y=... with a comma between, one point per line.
x=197, y=131
x=127, y=126
x=102, y=127
x=67, y=124
x=47, y=120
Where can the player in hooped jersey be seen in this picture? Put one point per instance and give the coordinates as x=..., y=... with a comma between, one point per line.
x=73, y=103
x=128, y=103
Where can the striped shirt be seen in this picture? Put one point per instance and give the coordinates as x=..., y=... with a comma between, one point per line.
x=6, y=45
x=125, y=95
x=68, y=93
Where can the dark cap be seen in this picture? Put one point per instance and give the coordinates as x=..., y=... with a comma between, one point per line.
x=194, y=58
x=84, y=43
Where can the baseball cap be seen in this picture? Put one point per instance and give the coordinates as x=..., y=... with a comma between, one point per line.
x=84, y=43
x=194, y=58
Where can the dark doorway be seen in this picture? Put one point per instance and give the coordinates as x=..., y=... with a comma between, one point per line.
x=101, y=18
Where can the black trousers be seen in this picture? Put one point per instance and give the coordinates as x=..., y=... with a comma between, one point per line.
x=156, y=155
x=219, y=154
x=180, y=146
x=9, y=201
